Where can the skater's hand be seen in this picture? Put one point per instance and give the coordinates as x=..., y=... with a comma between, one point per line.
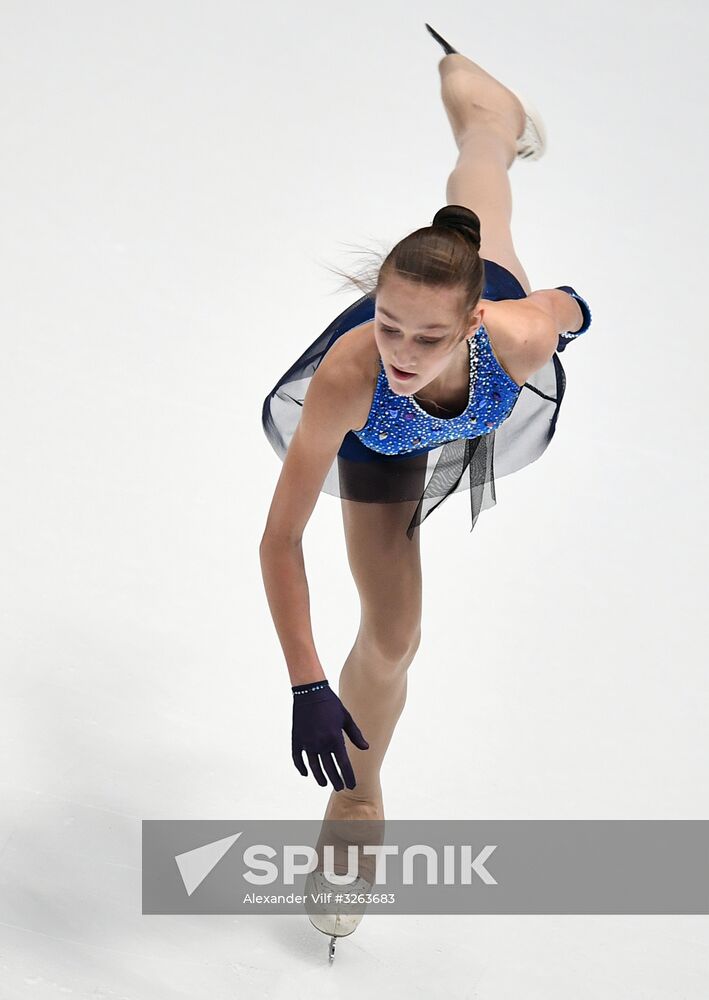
x=318, y=720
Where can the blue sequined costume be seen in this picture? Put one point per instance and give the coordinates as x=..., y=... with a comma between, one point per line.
x=398, y=424
x=404, y=453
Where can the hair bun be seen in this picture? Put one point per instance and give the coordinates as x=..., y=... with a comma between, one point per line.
x=463, y=219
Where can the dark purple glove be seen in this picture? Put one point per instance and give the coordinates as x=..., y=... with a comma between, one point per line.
x=318, y=720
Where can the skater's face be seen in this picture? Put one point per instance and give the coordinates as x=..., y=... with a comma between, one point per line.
x=418, y=330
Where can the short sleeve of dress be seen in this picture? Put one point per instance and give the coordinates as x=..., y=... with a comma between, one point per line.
x=564, y=338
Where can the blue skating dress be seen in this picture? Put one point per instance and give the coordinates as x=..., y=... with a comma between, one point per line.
x=403, y=452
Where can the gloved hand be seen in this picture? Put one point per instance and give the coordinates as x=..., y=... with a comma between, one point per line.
x=318, y=720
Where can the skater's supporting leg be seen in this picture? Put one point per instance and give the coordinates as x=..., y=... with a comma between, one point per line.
x=386, y=568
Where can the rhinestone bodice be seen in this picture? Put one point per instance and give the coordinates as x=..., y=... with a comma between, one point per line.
x=398, y=424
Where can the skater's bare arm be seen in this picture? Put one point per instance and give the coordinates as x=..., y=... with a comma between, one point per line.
x=529, y=327
x=332, y=407
x=561, y=310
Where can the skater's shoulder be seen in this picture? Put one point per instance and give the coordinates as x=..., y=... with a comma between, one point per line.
x=355, y=353
x=351, y=368
x=519, y=335
x=507, y=321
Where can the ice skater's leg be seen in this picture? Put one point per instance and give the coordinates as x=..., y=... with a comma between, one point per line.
x=386, y=568
x=486, y=119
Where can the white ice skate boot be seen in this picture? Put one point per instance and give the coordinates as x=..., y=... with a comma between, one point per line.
x=532, y=144
x=338, y=919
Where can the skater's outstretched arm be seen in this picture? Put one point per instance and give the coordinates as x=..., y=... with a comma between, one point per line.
x=542, y=322
x=561, y=309
x=331, y=408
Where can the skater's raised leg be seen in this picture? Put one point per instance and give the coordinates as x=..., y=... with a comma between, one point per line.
x=486, y=119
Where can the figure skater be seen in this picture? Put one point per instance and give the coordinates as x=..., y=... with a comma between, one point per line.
x=448, y=360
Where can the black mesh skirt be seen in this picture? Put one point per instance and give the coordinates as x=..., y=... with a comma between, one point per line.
x=427, y=475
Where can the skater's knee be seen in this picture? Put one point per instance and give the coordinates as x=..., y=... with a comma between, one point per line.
x=391, y=644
